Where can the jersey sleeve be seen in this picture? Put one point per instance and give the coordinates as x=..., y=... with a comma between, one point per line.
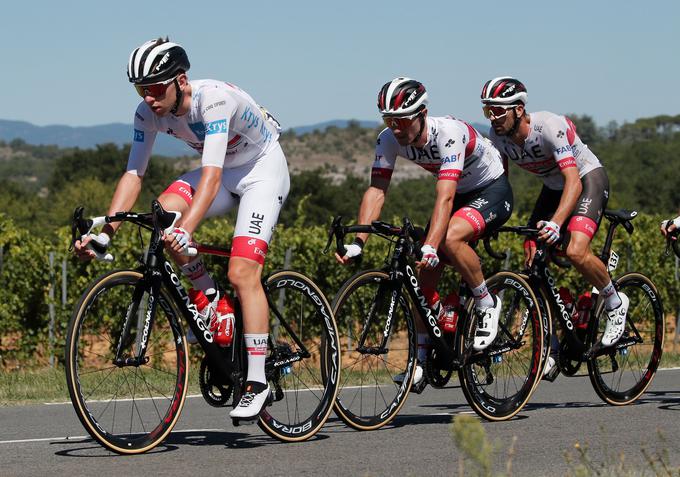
x=385, y=155
x=218, y=110
x=144, y=135
x=451, y=142
x=559, y=136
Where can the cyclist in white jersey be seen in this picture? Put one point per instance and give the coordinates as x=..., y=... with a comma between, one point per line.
x=473, y=196
x=575, y=186
x=242, y=165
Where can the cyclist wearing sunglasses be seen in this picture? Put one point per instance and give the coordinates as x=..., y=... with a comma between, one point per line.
x=575, y=185
x=473, y=196
x=242, y=165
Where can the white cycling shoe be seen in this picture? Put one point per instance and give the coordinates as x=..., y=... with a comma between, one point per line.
x=251, y=403
x=487, y=325
x=418, y=376
x=616, y=322
x=548, y=366
x=419, y=382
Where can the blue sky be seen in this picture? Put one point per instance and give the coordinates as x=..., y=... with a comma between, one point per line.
x=312, y=61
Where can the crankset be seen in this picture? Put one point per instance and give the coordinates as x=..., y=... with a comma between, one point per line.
x=436, y=374
x=569, y=360
x=215, y=391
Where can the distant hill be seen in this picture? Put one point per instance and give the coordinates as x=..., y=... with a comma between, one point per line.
x=87, y=137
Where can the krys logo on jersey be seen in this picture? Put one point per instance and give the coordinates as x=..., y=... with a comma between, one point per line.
x=216, y=127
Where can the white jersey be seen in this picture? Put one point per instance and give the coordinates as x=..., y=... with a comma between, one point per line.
x=454, y=151
x=552, y=145
x=225, y=125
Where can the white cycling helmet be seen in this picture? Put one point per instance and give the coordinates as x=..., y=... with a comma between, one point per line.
x=402, y=97
x=156, y=61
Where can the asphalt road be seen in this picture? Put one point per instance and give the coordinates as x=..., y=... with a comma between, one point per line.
x=49, y=440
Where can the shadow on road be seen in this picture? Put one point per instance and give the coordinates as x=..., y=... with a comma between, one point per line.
x=231, y=440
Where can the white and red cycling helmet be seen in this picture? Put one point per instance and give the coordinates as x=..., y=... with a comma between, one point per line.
x=504, y=91
x=402, y=97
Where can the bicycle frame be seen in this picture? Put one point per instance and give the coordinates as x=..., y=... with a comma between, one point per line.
x=401, y=274
x=541, y=279
x=158, y=271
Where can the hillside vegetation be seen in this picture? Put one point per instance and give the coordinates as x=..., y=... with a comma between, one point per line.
x=42, y=186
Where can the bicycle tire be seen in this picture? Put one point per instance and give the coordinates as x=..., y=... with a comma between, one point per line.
x=127, y=409
x=367, y=397
x=519, y=369
x=304, y=390
x=637, y=362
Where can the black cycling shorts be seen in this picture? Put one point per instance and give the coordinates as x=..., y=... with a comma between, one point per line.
x=587, y=214
x=485, y=209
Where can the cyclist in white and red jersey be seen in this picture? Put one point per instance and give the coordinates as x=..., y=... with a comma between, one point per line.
x=242, y=165
x=575, y=186
x=473, y=196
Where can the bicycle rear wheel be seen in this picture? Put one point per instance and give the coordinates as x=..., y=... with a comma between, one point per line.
x=498, y=381
x=129, y=409
x=368, y=397
x=623, y=373
x=304, y=386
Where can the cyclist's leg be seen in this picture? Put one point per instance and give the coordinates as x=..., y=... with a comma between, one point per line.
x=582, y=227
x=263, y=188
x=483, y=211
x=179, y=196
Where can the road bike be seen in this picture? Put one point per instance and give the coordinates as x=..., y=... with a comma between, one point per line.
x=619, y=373
x=127, y=358
x=376, y=311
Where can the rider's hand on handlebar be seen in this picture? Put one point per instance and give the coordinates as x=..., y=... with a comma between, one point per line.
x=549, y=231
x=84, y=248
x=529, y=251
x=668, y=226
x=352, y=250
x=430, y=258
x=178, y=239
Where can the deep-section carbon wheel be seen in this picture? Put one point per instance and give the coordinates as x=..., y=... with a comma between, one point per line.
x=499, y=380
x=621, y=374
x=128, y=408
x=369, y=397
x=304, y=360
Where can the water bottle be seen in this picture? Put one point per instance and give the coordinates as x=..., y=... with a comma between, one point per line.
x=448, y=314
x=582, y=312
x=199, y=299
x=224, y=327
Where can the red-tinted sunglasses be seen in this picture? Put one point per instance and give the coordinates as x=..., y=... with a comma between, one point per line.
x=155, y=90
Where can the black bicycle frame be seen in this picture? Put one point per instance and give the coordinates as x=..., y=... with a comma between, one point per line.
x=540, y=278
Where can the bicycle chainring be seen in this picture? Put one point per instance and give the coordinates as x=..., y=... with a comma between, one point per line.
x=568, y=360
x=215, y=393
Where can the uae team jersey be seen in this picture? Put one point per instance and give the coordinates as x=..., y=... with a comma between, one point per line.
x=225, y=125
x=454, y=151
x=552, y=145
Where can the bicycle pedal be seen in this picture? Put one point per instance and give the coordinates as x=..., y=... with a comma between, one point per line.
x=552, y=375
x=420, y=387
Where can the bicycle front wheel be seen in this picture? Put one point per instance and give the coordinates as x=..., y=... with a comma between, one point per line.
x=369, y=395
x=304, y=360
x=498, y=381
x=621, y=374
x=128, y=408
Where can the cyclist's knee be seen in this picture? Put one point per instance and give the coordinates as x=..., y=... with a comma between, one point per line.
x=578, y=251
x=244, y=273
x=172, y=201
